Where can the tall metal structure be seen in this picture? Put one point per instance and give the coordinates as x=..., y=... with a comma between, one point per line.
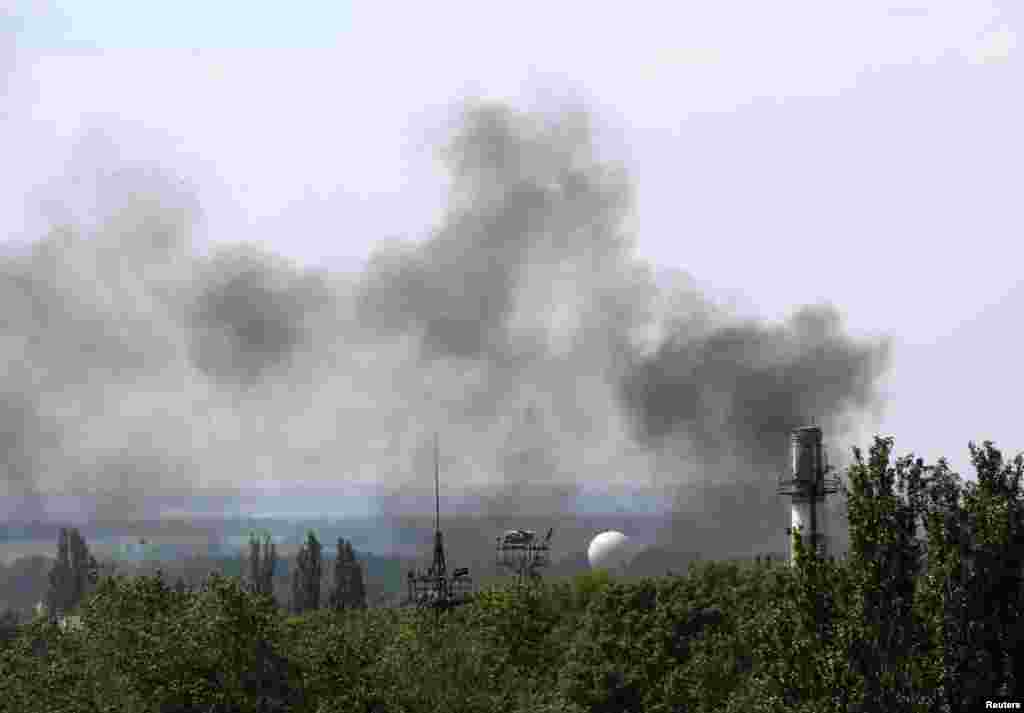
x=524, y=553
x=434, y=588
x=808, y=484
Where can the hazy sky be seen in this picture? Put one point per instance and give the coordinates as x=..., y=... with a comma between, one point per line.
x=784, y=154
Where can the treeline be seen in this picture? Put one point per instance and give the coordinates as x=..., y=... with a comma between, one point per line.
x=924, y=614
x=349, y=590
x=76, y=573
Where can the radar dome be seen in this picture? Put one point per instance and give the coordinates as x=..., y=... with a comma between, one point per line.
x=610, y=550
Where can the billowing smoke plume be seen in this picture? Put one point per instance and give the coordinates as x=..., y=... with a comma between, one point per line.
x=742, y=388
x=250, y=317
x=522, y=328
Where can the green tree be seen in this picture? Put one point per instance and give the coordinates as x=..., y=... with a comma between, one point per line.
x=910, y=620
x=349, y=590
x=73, y=574
x=635, y=641
x=358, y=600
x=996, y=510
x=306, y=578
x=144, y=648
x=883, y=634
x=262, y=562
x=342, y=581
x=972, y=595
x=850, y=635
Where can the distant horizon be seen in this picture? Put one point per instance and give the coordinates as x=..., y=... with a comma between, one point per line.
x=372, y=535
x=309, y=504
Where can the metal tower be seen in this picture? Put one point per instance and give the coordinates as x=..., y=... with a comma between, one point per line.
x=807, y=484
x=524, y=553
x=434, y=588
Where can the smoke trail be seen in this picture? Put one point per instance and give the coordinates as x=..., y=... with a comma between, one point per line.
x=523, y=327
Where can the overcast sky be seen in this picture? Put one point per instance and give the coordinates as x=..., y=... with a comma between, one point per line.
x=866, y=154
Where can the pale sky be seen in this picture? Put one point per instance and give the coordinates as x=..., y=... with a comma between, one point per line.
x=786, y=153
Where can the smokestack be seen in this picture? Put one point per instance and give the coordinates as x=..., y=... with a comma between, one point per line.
x=807, y=487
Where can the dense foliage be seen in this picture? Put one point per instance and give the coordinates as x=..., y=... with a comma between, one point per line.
x=923, y=614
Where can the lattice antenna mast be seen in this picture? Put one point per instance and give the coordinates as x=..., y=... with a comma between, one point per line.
x=440, y=566
x=437, y=484
x=434, y=588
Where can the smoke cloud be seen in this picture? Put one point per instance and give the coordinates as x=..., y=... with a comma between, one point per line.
x=250, y=317
x=742, y=388
x=523, y=328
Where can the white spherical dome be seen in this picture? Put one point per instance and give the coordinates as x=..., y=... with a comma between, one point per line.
x=610, y=550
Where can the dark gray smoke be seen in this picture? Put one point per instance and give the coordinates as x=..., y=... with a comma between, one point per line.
x=522, y=328
x=250, y=316
x=530, y=209
x=740, y=389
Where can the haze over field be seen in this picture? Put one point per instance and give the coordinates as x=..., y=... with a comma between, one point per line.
x=204, y=296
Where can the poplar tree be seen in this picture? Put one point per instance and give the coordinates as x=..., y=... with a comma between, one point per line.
x=73, y=574
x=349, y=589
x=58, y=594
x=297, y=602
x=339, y=593
x=974, y=593
x=306, y=578
x=262, y=561
x=884, y=635
x=358, y=588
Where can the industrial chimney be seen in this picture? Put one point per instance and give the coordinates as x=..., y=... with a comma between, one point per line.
x=807, y=486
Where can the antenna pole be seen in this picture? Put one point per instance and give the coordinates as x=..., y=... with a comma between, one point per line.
x=440, y=567
x=434, y=588
x=437, y=485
